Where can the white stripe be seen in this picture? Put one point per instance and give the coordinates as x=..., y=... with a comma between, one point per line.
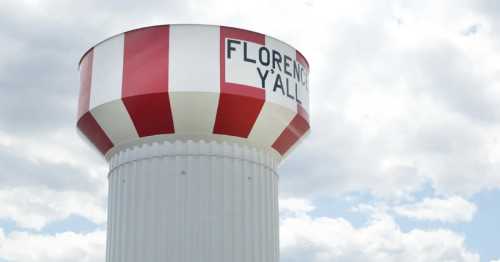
x=194, y=58
x=107, y=71
x=115, y=121
x=194, y=112
x=194, y=77
x=272, y=120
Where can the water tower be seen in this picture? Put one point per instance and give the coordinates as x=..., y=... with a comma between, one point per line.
x=193, y=120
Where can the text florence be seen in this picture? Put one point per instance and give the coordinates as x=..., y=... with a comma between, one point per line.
x=277, y=63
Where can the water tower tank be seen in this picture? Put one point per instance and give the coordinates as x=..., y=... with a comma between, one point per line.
x=193, y=120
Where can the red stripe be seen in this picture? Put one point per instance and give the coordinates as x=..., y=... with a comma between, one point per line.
x=302, y=112
x=239, y=105
x=294, y=131
x=302, y=60
x=237, y=89
x=149, y=113
x=236, y=33
x=85, y=83
x=145, y=80
x=91, y=129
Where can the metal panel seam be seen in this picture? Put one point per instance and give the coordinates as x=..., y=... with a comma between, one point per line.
x=191, y=155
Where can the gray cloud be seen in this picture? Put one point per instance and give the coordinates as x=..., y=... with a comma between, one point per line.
x=395, y=107
x=42, y=46
x=19, y=171
x=423, y=113
x=457, y=81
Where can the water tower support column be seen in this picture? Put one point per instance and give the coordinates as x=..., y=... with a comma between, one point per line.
x=187, y=201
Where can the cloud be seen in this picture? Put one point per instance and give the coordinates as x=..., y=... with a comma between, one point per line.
x=38, y=70
x=303, y=238
x=294, y=206
x=63, y=247
x=453, y=210
x=321, y=239
x=35, y=207
x=17, y=170
x=395, y=101
x=48, y=180
x=404, y=96
x=397, y=104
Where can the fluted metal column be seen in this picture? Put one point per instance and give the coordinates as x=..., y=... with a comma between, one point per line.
x=188, y=201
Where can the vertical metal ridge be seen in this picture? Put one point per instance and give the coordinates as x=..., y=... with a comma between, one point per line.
x=192, y=201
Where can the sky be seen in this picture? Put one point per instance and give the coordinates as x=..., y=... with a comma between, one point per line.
x=403, y=159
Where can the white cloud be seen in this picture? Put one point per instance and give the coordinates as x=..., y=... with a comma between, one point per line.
x=63, y=247
x=402, y=98
x=303, y=238
x=295, y=206
x=498, y=260
x=453, y=209
x=396, y=103
x=47, y=180
x=322, y=239
x=35, y=207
